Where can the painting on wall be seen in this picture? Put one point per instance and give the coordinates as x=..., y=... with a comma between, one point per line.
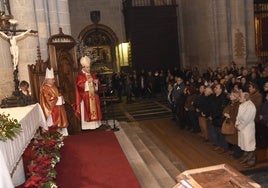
x=100, y=54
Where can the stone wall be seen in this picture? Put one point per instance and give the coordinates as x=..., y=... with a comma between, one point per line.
x=197, y=30
x=214, y=33
x=111, y=15
x=6, y=83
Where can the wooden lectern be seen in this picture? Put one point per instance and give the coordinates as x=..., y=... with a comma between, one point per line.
x=218, y=176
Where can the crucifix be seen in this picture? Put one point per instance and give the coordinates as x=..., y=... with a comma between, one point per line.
x=10, y=34
x=13, y=38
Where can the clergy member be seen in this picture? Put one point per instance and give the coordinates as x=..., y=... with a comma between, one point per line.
x=52, y=103
x=87, y=106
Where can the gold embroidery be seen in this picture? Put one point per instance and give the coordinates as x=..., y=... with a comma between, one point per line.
x=92, y=100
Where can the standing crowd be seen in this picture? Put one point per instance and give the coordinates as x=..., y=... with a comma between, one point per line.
x=204, y=103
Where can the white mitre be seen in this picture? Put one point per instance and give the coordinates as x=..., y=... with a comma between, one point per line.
x=49, y=73
x=85, y=61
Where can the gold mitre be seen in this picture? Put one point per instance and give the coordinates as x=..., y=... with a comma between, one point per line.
x=85, y=61
x=49, y=73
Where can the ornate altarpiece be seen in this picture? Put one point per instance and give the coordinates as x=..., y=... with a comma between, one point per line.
x=98, y=42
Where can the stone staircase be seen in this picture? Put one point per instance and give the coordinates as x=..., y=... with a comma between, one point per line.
x=153, y=164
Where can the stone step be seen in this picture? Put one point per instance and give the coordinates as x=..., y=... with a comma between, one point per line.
x=176, y=162
x=153, y=164
x=160, y=165
x=139, y=167
x=161, y=157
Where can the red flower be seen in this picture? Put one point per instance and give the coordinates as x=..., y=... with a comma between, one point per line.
x=41, y=169
x=33, y=181
x=50, y=143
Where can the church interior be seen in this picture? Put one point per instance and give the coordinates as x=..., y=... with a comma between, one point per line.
x=126, y=36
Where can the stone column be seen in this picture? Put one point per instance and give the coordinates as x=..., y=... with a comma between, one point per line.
x=215, y=35
x=181, y=35
x=250, y=33
x=222, y=33
x=42, y=26
x=6, y=69
x=23, y=12
x=53, y=18
x=64, y=16
x=238, y=31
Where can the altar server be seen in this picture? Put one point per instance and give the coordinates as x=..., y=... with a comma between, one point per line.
x=52, y=103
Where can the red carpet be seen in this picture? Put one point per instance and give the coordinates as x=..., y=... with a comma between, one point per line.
x=94, y=159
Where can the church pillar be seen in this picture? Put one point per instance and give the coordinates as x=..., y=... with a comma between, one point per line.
x=238, y=32
x=221, y=33
x=181, y=42
x=53, y=18
x=6, y=69
x=64, y=16
x=28, y=45
x=215, y=35
x=42, y=26
x=59, y=16
x=251, y=51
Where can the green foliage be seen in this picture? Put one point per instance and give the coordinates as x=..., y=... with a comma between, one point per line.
x=9, y=127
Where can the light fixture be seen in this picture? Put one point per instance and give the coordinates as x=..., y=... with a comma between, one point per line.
x=122, y=55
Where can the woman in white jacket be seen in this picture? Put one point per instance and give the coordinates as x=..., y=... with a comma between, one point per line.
x=246, y=129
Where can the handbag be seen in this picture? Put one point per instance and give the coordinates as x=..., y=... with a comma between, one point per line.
x=228, y=127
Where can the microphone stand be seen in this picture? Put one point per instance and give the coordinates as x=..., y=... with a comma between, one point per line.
x=113, y=116
x=108, y=127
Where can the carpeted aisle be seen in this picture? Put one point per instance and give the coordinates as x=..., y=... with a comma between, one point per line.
x=94, y=159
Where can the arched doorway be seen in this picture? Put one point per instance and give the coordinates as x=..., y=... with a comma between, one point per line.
x=98, y=42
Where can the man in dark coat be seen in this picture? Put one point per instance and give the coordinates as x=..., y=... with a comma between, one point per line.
x=178, y=100
x=218, y=103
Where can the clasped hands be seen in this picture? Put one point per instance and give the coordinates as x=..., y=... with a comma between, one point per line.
x=60, y=101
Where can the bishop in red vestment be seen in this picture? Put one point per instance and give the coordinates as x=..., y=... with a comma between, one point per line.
x=87, y=106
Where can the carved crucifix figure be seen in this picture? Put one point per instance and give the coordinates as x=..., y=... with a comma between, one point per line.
x=14, y=50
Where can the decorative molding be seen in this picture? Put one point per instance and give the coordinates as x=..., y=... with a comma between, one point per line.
x=239, y=44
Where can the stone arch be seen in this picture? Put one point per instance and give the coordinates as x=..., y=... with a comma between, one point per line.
x=99, y=43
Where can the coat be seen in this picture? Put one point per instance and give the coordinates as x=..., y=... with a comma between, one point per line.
x=232, y=110
x=217, y=104
x=246, y=126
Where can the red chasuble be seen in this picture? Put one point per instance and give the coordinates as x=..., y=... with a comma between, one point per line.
x=92, y=109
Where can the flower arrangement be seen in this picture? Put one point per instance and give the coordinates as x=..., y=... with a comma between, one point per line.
x=9, y=127
x=46, y=147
